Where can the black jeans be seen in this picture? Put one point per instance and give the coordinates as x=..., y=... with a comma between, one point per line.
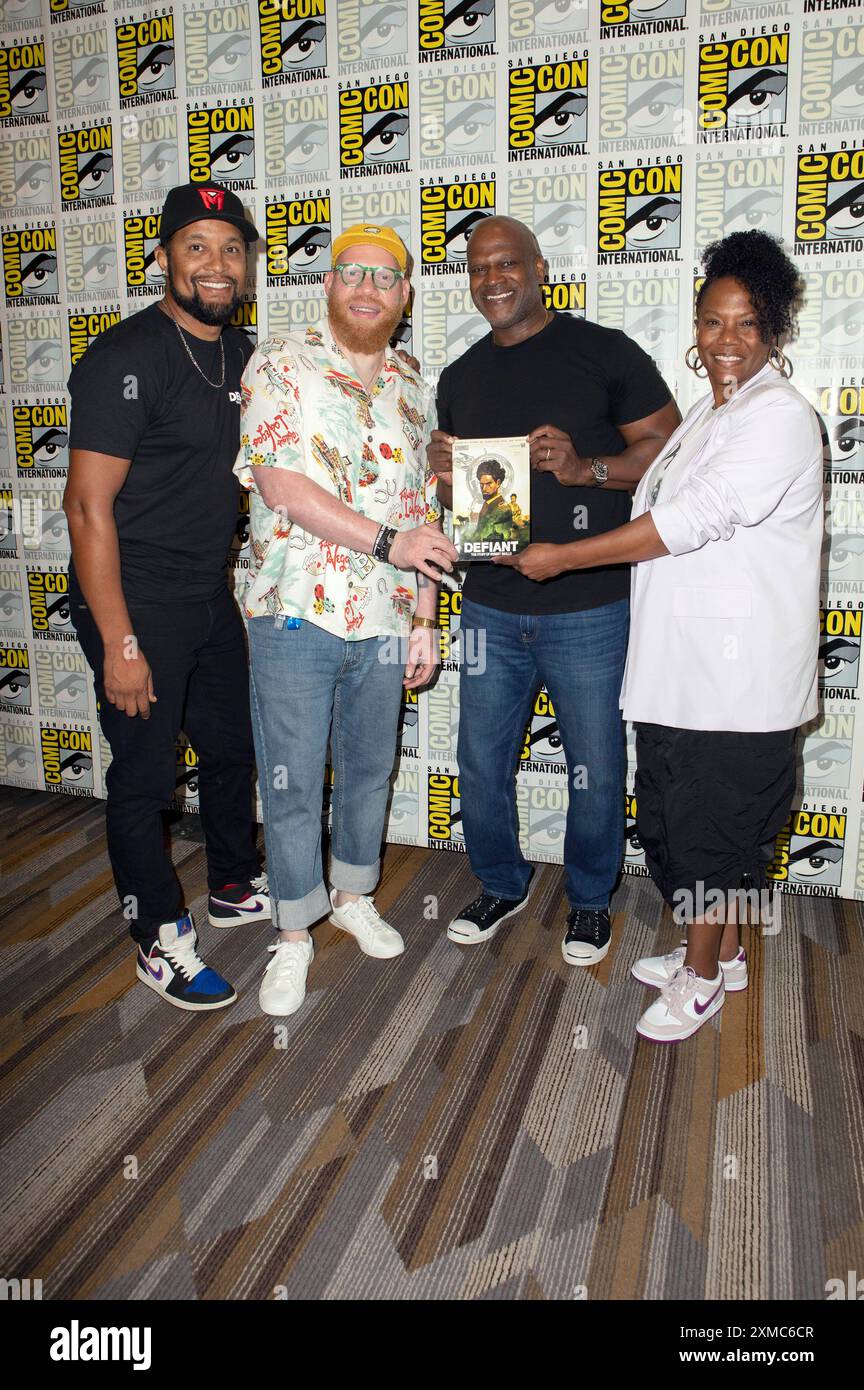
x=197, y=654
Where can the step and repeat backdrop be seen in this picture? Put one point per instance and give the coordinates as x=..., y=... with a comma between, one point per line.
x=628, y=135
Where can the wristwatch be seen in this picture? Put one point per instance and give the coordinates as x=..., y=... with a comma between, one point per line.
x=600, y=471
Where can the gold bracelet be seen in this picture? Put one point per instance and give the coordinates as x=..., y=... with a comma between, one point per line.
x=426, y=622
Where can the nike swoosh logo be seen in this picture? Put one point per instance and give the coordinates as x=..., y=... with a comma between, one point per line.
x=157, y=974
x=241, y=907
x=700, y=1008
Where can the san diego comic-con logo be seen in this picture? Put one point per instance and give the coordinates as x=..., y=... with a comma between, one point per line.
x=639, y=215
x=839, y=651
x=222, y=145
x=444, y=811
x=90, y=257
x=45, y=534
x=808, y=852
x=85, y=329
x=86, y=166
x=449, y=621
x=35, y=355
x=295, y=136
x=634, y=853
x=742, y=87
x=186, y=788
x=531, y=23
x=542, y=813
x=145, y=59
x=553, y=205
x=50, y=611
x=841, y=410
x=641, y=98
x=826, y=756
x=457, y=118
x=218, y=48
x=25, y=172
x=542, y=744
x=245, y=318
x=442, y=721
x=150, y=154
x=62, y=681
x=30, y=266
x=11, y=601
x=390, y=205
x=632, y=18
x=239, y=551
x=304, y=308
x=455, y=29
x=9, y=526
x=829, y=210
x=298, y=234
x=832, y=80
x=64, y=10
x=449, y=212
x=67, y=759
x=81, y=79
x=374, y=129
x=23, y=87
x=143, y=274
x=831, y=318
x=566, y=296
x=450, y=324
x=293, y=41
x=645, y=307
x=15, y=692
x=738, y=195
x=409, y=721
x=371, y=33
x=18, y=753
x=41, y=434
x=403, y=817
x=547, y=114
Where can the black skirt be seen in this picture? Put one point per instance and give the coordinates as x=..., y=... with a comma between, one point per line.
x=709, y=806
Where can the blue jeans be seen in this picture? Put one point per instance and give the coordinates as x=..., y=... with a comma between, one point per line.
x=579, y=657
x=302, y=680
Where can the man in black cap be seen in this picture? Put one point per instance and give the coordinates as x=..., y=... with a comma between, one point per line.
x=152, y=505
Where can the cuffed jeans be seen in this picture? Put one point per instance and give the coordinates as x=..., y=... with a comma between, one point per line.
x=197, y=654
x=302, y=680
x=579, y=657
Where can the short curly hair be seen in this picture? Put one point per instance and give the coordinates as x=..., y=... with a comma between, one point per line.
x=770, y=278
x=493, y=467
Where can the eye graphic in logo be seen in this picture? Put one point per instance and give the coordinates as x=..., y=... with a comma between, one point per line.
x=403, y=813
x=29, y=95
x=156, y=68
x=308, y=251
x=652, y=222
x=653, y=107
x=11, y=605
x=757, y=96
x=300, y=48
x=95, y=178
x=54, y=530
x=187, y=783
x=846, y=438
x=544, y=740
x=100, y=267
x=755, y=211
x=74, y=768
x=564, y=118
x=90, y=79
x=382, y=29
x=58, y=613
x=561, y=230
x=39, y=273
x=229, y=59
x=560, y=16
x=845, y=213
x=470, y=127
x=233, y=158
x=459, y=234
x=815, y=859
x=838, y=658
x=15, y=687
x=633, y=850
x=826, y=760
x=44, y=361
x=408, y=727
x=463, y=331
x=847, y=99
x=33, y=183
x=386, y=137
x=158, y=163
x=546, y=830
x=470, y=21
x=71, y=690
x=657, y=9
x=843, y=329
x=307, y=147
x=153, y=272
x=655, y=331
x=48, y=445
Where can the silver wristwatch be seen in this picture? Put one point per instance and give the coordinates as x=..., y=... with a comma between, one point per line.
x=600, y=471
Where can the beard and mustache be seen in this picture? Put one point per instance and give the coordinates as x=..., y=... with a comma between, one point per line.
x=215, y=315
x=363, y=338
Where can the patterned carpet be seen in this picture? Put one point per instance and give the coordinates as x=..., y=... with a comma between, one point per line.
x=461, y=1123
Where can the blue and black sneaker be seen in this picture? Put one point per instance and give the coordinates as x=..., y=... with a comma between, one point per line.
x=173, y=968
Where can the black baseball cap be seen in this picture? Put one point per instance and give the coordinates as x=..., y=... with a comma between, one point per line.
x=194, y=202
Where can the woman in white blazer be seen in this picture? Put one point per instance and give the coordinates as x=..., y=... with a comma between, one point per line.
x=724, y=628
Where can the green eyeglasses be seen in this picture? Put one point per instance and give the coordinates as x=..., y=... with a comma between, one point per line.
x=384, y=277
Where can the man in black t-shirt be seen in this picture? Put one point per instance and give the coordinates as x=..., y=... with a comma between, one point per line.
x=596, y=412
x=152, y=506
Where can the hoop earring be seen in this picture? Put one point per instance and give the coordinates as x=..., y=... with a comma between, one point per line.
x=780, y=362
x=694, y=366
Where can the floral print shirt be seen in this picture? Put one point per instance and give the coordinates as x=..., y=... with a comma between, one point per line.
x=303, y=409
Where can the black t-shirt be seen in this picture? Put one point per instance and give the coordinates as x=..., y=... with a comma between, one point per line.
x=586, y=380
x=136, y=395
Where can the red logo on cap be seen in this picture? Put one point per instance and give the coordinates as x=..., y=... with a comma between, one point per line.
x=212, y=198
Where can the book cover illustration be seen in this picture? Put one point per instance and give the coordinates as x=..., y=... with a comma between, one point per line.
x=491, y=497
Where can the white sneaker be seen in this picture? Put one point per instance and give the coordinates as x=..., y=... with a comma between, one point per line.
x=658, y=970
x=283, y=988
x=362, y=920
x=685, y=1003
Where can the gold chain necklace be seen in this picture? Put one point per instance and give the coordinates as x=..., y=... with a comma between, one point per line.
x=217, y=385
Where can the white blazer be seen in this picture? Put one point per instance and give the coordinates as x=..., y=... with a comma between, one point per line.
x=724, y=630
